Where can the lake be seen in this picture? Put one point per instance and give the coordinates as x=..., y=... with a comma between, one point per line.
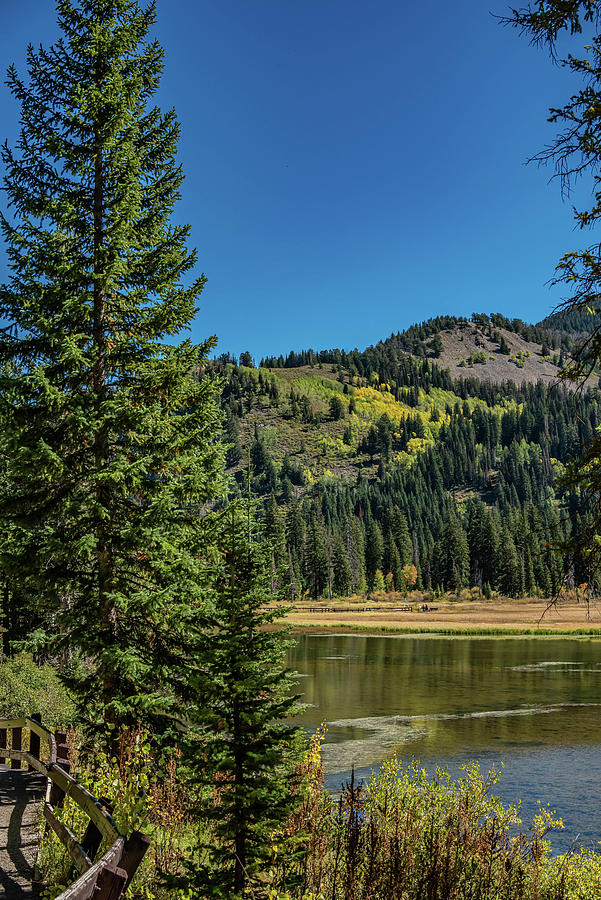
x=532, y=704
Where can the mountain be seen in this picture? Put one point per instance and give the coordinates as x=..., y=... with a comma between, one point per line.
x=487, y=352
x=492, y=347
x=440, y=448
x=576, y=323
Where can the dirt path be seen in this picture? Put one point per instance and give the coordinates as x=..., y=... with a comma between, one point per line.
x=20, y=793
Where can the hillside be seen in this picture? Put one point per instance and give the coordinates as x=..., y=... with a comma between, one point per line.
x=330, y=422
x=575, y=323
x=490, y=348
x=495, y=355
x=407, y=455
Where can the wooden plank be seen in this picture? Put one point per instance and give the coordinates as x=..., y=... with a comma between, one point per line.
x=25, y=755
x=86, y=801
x=34, y=726
x=37, y=764
x=27, y=722
x=92, y=838
x=57, y=795
x=34, y=738
x=3, y=743
x=62, y=748
x=15, y=754
x=13, y=723
x=111, y=883
x=39, y=729
x=45, y=734
x=85, y=886
x=33, y=761
x=17, y=745
x=81, y=860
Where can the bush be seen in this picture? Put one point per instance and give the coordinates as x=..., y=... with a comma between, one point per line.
x=26, y=688
x=408, y=835
x=146, y=795
x=404, y=834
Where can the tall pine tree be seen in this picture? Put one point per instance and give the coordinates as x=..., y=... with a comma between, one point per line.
x=237, y=695
x=111, y=437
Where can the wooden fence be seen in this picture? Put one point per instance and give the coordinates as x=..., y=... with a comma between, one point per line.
x=352, y=609
x=109, y=877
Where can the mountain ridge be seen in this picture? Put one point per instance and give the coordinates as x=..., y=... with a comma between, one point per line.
x=489, y=346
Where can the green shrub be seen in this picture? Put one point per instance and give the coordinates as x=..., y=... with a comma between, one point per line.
x=26, y=688
x=409, y=835
x=404, y=834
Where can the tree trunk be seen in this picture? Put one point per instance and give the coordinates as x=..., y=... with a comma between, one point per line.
x=107, y=612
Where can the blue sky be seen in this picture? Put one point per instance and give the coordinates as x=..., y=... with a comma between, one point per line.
x=350, y=167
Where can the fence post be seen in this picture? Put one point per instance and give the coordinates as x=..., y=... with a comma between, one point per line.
x=133, y=854
x=34, y=739
x=62, y=750
x=92, y=838
x=57, y=795
x=17, y=745
x=3, y=743
x=110, y=884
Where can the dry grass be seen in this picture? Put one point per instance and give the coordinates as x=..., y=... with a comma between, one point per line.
x=469, y=616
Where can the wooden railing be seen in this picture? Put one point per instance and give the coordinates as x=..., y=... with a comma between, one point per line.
x=110, y=876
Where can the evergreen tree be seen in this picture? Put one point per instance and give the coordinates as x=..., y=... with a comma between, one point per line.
x=374, y=550
x=400, y=534
x=452, y=556
x=483, y=541
x=237, y=695
x=295, y=528
x=111, y=443
x=291, y=581
x=489, y=542
x=475, y=515
x=392, y=560
x=436, y=346
x=342, y=576
x=246, y=359
x=354, y=541
x=509, y=567
x=336, y=407
x=276, y=536
x=231, y=434
x=258, y=455
x=384, y=439
x=316, y=563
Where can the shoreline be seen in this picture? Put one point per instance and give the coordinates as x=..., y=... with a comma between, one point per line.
x=496, y=618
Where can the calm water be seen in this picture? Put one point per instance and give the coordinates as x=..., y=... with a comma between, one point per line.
x=532, y=704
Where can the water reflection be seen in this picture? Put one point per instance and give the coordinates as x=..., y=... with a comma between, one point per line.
x=357, y=675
